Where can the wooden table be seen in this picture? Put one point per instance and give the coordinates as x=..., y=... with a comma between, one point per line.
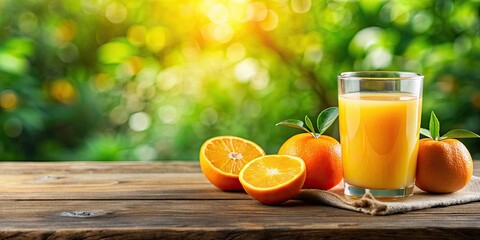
x=133, y=200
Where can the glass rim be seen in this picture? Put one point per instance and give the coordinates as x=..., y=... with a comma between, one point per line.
x=380, y=75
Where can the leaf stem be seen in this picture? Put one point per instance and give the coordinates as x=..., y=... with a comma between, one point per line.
x=324, y=120
x=434, y=131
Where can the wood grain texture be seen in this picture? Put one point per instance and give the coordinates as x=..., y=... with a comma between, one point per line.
x=239, y=217
x=175, y=201
x=99, y=167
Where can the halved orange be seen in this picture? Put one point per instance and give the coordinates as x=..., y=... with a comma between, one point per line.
x=222, y=158
x=273, y=179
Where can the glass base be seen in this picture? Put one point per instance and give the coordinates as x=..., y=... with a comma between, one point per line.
x=380, y=194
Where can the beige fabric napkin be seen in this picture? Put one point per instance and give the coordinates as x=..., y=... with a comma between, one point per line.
x=368, y=204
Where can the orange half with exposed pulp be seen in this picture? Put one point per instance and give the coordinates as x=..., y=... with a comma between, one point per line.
x=222, y=158
x=273, y=179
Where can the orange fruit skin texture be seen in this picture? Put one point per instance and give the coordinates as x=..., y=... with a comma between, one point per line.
x=219, y=180
x=443, y=166
x=278, y=195
x=322, y=157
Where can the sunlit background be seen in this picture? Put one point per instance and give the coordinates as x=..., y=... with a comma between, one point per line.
x=153, y=79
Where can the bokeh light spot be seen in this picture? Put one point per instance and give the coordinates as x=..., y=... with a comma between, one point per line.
x=68, y=52
x=191, y=52
x=379, y=58
x=62, y=91
x=261, y=80
x=301, y=6
x=313, y=54
x=134, y=103
x=246, y=69
x=337, y=16
x=476, y=100
x=446, y=83
x=256, y=11
x=103, y=82
x=218, y=14
x=146, y=78
x=13, y=127
x=208, y=116
x=27, y=22
x=462, y=45
x=270, y=22
x=207, y=31
x=139, y=121
x=168, y=114
x=13, y=64
x=223, y=33
x=167, y=79
x=252, y=108
x=65, y=31
x=156, y=38
x=367, y=37
x=133, y=66
x=116, y=12
x=136, y=35
x=146, y=83
x=465, y=17
x=8, y=99
x=236, y=52
x=118, y=115
x=239, y=12
x=115, y=52
x=421, y=22
x=399, y=13
x=146, y=153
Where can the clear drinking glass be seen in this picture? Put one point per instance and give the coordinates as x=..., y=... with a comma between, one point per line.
x=379, y=116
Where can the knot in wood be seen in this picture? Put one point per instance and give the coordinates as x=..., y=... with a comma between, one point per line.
x=81, y=214
x=47, y=178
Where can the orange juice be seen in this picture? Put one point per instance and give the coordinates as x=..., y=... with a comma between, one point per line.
x=379, y=133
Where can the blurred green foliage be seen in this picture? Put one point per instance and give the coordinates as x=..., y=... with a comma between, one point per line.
x=153, y=79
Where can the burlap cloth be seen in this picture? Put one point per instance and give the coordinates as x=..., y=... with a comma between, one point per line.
x=368, y=204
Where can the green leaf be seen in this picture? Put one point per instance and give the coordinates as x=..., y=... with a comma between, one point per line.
x=326, y=118
x=309, y=124
x=425, y=132
x=294, y=123
x=434, y=126
x=459, y=133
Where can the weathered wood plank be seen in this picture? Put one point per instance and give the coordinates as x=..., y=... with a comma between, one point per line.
x=98, y=167
x=16, y=168
x=225, y=219
x=217, y=214
x=103, y=181
x=174, y=200
x=253, y=234
x=99, y=186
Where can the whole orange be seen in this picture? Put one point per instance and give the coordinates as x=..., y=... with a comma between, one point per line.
x=322, y=157
x=443, y=166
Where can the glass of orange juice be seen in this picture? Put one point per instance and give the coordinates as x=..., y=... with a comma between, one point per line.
x=379, y=117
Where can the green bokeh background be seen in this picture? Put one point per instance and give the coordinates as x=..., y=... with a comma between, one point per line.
x=152, y=80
